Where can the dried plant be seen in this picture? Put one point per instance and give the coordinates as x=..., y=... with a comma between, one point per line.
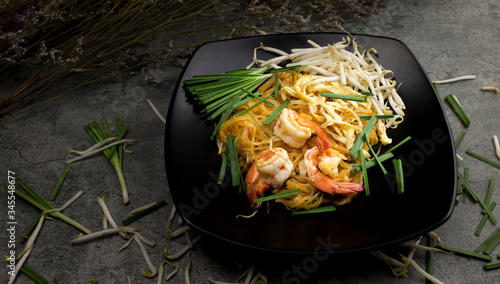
x=56, y=39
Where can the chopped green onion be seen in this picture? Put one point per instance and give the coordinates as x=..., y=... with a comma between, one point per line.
x=277, y=195
x=398, y=169
x=384, y=157
x=375, y=157
x=144, y=212
x=489, y=193
x=59, y=183
x=360, y=141
x=429, y=258
x=276, y=112
x=323, y=209
x=474, y=195
x=481, y=224
x=437, y=89
x=365, y=174
x=367, y=93
x=399, y=144
x=344, y=97
x=256, y=104
x=31, y=273
x=459, y=138
x=233, y=159
x=466, y=253
x=493, y=243
x=483, y=159
x=381, y=116
x=492, y=265
x=223, y=166
x=452, y=100
x=225, y=116
x=276, y=86
x=30, y=228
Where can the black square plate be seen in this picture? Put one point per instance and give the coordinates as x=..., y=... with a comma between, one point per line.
x=367, y=223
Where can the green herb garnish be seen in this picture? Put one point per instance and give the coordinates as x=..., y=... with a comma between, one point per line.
x=276, y=112
x=379, y=116
x=452, y=100
x=344, y=97
x=59, y=183
x=360, y=141
x=365, y=174
x=466, y=253
x=144, y=212
x=483, y=159
x=277, y=195
x=114, y=154
x=398, y=170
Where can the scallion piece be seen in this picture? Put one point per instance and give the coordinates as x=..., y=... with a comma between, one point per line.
x=277, y=195
x=223, y=166
x=30, y=228
x=225, y=116
x=144, y=212
x=323, y=209
x=437, y=89
x=383, y=157
x=474, y=195
x=31, y=273
x=367, y=93
x=233, y=160
x=360, y=141
x=399, y=144
x=375, y=157
x=489, y=193
x=276, y=112
x=381, y=116
x=276, y=86
x=398, y=170
x=492, y=265
x=481, y=224
x=466, y=253
x=493, y=243
x=459, y=138
x=452, y=100
x=344, y=97
x=365, y=174
x=429, y=259
x=60, y=182
x=483, y=159
x=256, y=104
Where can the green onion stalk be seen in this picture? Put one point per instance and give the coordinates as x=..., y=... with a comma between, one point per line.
x=114, y=154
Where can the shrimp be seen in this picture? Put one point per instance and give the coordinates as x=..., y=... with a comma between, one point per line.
x=295, y=129
x=271, y=169
x=311, y=169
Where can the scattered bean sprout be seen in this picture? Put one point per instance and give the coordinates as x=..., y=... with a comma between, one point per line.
x=456, y=79
x=497, y=146
x=492, y=89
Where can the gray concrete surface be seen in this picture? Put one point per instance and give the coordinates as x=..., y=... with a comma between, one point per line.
x=449, y=38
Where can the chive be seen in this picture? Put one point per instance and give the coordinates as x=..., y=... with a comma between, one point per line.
x=399, y=144
x=482, y=223
x=60, y=182
x=367, y=93
x=429, y=257
x=30, y=228
x=459, y=138
x=452, y=100
x=379, y=163
x=276, y=112
x=277, y=195
x=384, y=157
x=344, y=97
x=398, y=169
x=487, y=199
x=323, y=209
x=485, y=243
x=223, y=166
x=483, y=159
x=225, y=116
x=474, y=195
x=466, y=253
x=33, y=275
x=437, y=89
x=233, y=158
x=144, y=212
x=276, y=86
x=493, y=243
x=365, y=174
x=492, y=265
x=381, y=116
x=360, y=141
x=256, y=104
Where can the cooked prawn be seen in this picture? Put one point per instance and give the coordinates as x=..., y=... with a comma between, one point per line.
x=271, y=169
x=310, y=168
x=295, y=129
